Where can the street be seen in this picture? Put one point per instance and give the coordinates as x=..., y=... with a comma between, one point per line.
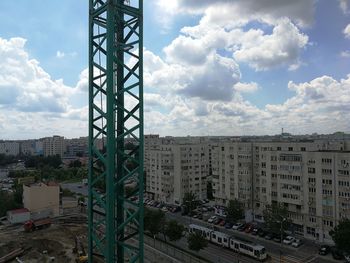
x=308, y=252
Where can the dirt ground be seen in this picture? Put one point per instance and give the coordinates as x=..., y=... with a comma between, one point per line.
x=52, y=244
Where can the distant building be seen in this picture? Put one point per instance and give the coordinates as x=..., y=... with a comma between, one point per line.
x=18, y=215
x=42, y=198
x=76, y=147
x=53, y=146
x=27, y=147
x=9, y=148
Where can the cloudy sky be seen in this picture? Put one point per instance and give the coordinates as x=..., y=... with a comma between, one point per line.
x=211, y=67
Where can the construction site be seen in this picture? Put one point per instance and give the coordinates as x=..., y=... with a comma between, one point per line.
x=62, y=241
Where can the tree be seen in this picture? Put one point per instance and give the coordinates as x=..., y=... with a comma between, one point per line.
x=196, y=241
x=174, y=230
x=234, y=211
x=341, y=235
x=276, y=217
x=154, y=221
x=75, y=163
x=189, y=200
x=7, y=202
x=210, y=190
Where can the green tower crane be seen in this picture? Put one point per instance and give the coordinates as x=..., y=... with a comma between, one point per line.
x=115, y=208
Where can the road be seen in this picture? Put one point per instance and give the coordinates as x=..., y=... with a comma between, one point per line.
x=307, y=253
x=78, y=188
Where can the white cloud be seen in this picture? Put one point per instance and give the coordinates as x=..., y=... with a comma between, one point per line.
x=346, y=31
x=258, y=47
x=263, y=52
x=29, y=93
x=61, y=54
x=344, y=5
x=226, y=12
x=246, y=87
x=345, y=54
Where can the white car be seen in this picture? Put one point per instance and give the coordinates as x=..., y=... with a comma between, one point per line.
x=212, y=219
x=288, y=240
x=236, y=226
x=297, y=243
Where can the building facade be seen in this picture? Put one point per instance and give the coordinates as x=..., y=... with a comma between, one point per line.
x=53, y=146
x=174, y=167
x=9, y=148
x=310, y=178
x=42, y=198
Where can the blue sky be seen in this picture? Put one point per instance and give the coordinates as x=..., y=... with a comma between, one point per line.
x=220, y=67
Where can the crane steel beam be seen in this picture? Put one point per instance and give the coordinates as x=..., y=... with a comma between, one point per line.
x=115, y=208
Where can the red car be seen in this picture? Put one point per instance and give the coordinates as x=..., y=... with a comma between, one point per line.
x=222, y=222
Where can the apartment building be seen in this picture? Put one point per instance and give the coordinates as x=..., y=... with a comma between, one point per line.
x=9, y=148
x=231, y=172
x=53, y=146
x=28, y=147
x=310, y=178
x=175, y=166
x=76, y=147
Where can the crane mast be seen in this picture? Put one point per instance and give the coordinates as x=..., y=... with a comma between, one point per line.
x=115, y=208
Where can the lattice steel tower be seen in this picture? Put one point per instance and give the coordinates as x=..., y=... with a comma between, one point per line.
x=115, y=209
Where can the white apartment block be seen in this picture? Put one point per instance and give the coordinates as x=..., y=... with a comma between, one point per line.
x=174, y=166
x=53, y=146
x=9, y=148
x=231, y=172
x=310, y=178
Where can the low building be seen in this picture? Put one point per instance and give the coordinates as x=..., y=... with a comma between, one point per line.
x=42, y=197
x=18, y=215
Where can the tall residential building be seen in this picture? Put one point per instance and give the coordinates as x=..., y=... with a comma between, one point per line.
x=310, y=178
x=53, y=146
x=9, y=148
x=231, y=172
x=175, y=166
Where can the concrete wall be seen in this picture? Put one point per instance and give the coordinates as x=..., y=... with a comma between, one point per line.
x=40, y=197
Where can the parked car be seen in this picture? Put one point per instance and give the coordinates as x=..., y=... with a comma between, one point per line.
x=277, y=238
x=324, y=250
x=217, y=221
x=336, y=253
x=237, y=225
x=297, y=243
x=212, y=219
x=269, y=236
x=288, y=240
x=222, y=222
x=228, y=225
x=255, y=231
x=242, y=227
